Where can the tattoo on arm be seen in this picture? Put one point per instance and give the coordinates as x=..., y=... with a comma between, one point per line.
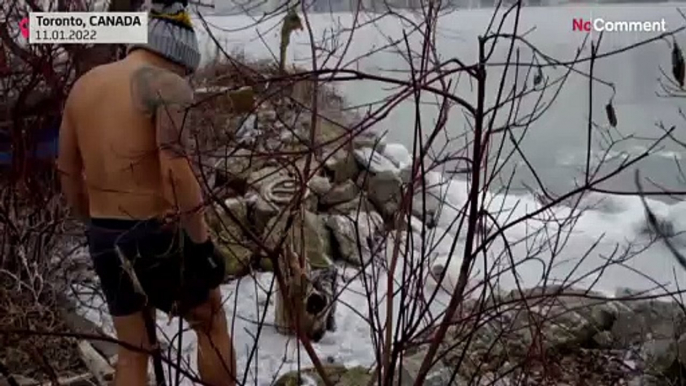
x=164, y=97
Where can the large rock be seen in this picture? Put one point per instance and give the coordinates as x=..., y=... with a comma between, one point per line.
x=229, y=236
x=384, y=190
x=439, y=374
x=427, y=196
x=370, y=140
x=548, y=319
x=308, y=230
x=341, y=193
x=342, y=166
x=319, y=186
x=374, y=161
x=639, y=320
x=338, y=374
x=274, y=189
x=358, y=204
x=233, y=167
x=398, y=154
x=349, y=231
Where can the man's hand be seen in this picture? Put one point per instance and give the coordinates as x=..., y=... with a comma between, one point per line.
x=166, y=97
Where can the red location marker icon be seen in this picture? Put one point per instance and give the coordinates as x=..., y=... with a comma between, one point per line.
x=24, y=26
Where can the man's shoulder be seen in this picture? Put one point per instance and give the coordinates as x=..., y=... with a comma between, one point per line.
x=87, y=79
x=159, y=83
x=158, y=77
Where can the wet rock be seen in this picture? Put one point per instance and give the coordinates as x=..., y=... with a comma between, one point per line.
x=342, y=166
x=374, y=161
x=234, y=166
x=344, y=192
x=338, y=374
x=358, y=204
x=370, y=140
x=639, y=320
x=439, y=374
x=320, y=186
x=384, y=191
x=349, y=231
x=307, y=230
x=229, y=237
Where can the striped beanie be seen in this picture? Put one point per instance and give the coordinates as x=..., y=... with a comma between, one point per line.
x=171, y=34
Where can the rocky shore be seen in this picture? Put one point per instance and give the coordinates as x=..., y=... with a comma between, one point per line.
x=539, y=336
x=549, y=336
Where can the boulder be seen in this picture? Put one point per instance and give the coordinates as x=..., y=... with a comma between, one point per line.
x=384, y=190
x=639, y=320
x=358, y=204
x=234, y=166
x=374, y=161
x=311, y=234
x=342, y=166
x=350, y=230
x=319, y=186
x=370, y=140
x=439, y=374
x=274, y=189
x=398, y=154
x=229, y=237
x=341, y=193
x=338, y=374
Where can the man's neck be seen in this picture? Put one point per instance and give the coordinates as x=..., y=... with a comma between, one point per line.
x=144, y=56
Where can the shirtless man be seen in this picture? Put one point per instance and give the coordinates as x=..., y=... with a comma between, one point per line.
x=126, y=172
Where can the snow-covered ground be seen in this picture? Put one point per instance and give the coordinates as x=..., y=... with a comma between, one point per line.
x=617, y=220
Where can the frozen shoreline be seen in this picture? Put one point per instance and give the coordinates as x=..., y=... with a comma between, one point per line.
x=351, y=344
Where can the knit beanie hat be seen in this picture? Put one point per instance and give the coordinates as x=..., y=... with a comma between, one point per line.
x=171, y=34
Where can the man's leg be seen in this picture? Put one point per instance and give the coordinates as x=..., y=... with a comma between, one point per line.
x=132, y=366
x=216, y=356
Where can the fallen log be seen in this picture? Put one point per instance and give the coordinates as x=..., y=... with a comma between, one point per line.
x=81, y=325
x=96, y=363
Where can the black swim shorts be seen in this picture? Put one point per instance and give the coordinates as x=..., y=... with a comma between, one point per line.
x=166, y=277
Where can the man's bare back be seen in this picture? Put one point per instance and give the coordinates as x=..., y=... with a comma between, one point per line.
x=117, y=140
x=124, y=164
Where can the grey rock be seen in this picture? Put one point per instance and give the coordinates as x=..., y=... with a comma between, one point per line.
x=384, y=191
x=234, y=165
x=659, y=355
x=229, y=236
x=604, y=339
x=347, y=191
x=439, y=374
x=358, y=204
x=370, y=140
x=319, y=185
x=681, y=347
x=349, y=231
x=343, y=166
x=374, y=161
x=639, y=320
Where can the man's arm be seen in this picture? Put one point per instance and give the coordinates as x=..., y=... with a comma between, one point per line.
x=167, y=97
x=70, y=167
